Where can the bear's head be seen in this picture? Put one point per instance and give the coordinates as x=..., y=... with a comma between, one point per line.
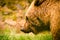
x=37, y=17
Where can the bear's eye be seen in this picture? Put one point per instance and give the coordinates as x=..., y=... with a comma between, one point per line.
x=38, y=2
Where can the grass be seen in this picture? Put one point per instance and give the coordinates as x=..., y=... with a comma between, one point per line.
x=42, y=36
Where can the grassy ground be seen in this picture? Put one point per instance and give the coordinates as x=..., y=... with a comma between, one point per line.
x=41, y=36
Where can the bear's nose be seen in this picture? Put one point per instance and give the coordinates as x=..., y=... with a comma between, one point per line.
x=22, y=27
x=22, y=30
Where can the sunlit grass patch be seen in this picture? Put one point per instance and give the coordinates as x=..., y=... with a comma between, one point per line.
x=42, y=36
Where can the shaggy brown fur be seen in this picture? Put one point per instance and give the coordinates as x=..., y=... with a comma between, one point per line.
x=43, y=14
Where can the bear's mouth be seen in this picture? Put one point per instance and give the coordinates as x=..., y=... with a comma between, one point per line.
x=26, y=31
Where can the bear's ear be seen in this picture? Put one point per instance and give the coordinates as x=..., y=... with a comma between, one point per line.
x=38, y=2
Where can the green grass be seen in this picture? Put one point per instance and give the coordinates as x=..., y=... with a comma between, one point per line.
x=42, y=36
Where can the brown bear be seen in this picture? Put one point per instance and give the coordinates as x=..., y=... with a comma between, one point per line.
x=43, y=15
